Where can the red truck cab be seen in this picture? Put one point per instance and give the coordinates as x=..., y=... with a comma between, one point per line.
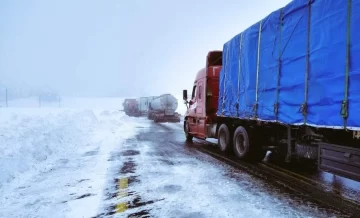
x=202, y=105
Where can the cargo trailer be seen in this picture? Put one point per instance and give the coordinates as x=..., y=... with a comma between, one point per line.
x=290, y=84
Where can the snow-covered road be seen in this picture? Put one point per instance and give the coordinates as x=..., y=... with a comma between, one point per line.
x=157, y=174
x=100, y=163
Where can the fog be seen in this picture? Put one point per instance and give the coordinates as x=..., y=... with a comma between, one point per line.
x=116, y=47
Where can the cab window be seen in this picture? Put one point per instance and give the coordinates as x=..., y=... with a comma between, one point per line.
x=200, y=92
x=193, y=93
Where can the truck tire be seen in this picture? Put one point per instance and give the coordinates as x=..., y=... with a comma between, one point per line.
x=241, y=143
x=224, y=139
x=188, y=136
x=242, y=147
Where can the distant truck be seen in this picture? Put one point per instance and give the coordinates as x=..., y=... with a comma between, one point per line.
x=163, y=109
x=285, y=85
x=157, y=108
x=143, y=104
x=131, y=107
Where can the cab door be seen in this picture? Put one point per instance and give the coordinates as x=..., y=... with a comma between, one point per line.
x=192, y=111
x=200, y=110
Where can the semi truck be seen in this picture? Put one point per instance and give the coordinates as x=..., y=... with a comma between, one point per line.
x=130, y=107
x=143, y=104
x=163, y=109
x=289, y=84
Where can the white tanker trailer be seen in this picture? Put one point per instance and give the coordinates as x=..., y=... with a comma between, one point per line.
x=162, y=109
x=143, y=104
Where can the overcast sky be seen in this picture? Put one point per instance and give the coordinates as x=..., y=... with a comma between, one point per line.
x=117, y=47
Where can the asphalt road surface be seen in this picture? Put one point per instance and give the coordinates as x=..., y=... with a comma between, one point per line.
x=158, y=174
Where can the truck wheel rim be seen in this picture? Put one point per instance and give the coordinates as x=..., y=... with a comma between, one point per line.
x=240, y=144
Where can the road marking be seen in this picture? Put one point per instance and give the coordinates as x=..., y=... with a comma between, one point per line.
x=121, y=207
x=122, y=185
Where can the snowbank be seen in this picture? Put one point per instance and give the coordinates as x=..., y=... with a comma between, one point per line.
x=33, y=138
x=51, y=158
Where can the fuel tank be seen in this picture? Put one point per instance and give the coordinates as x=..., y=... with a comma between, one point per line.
x=165, y=103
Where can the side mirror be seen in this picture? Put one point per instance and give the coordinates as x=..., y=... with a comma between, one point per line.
x=185, y=95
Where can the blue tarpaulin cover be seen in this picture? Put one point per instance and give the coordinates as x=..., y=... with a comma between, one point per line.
x=291, y=67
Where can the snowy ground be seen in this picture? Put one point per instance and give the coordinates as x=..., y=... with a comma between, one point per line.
x=51, y=159
x=83, y=162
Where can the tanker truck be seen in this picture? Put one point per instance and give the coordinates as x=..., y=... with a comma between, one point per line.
x=285, y=85
x=162, y=109
x=143, y=104
x=130, y=107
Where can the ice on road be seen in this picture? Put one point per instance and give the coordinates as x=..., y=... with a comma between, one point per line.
x=166, y=177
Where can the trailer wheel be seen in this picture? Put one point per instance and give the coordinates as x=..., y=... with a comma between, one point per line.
x=242, y=147
x=224, y=139
x=188, y=136
x=241, y=143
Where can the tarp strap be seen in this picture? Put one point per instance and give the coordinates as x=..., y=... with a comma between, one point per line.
x=257, y=71
x=239, y=75
x=276, y=105
x=226, y=62
x=304, y=106
x=345, y=102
